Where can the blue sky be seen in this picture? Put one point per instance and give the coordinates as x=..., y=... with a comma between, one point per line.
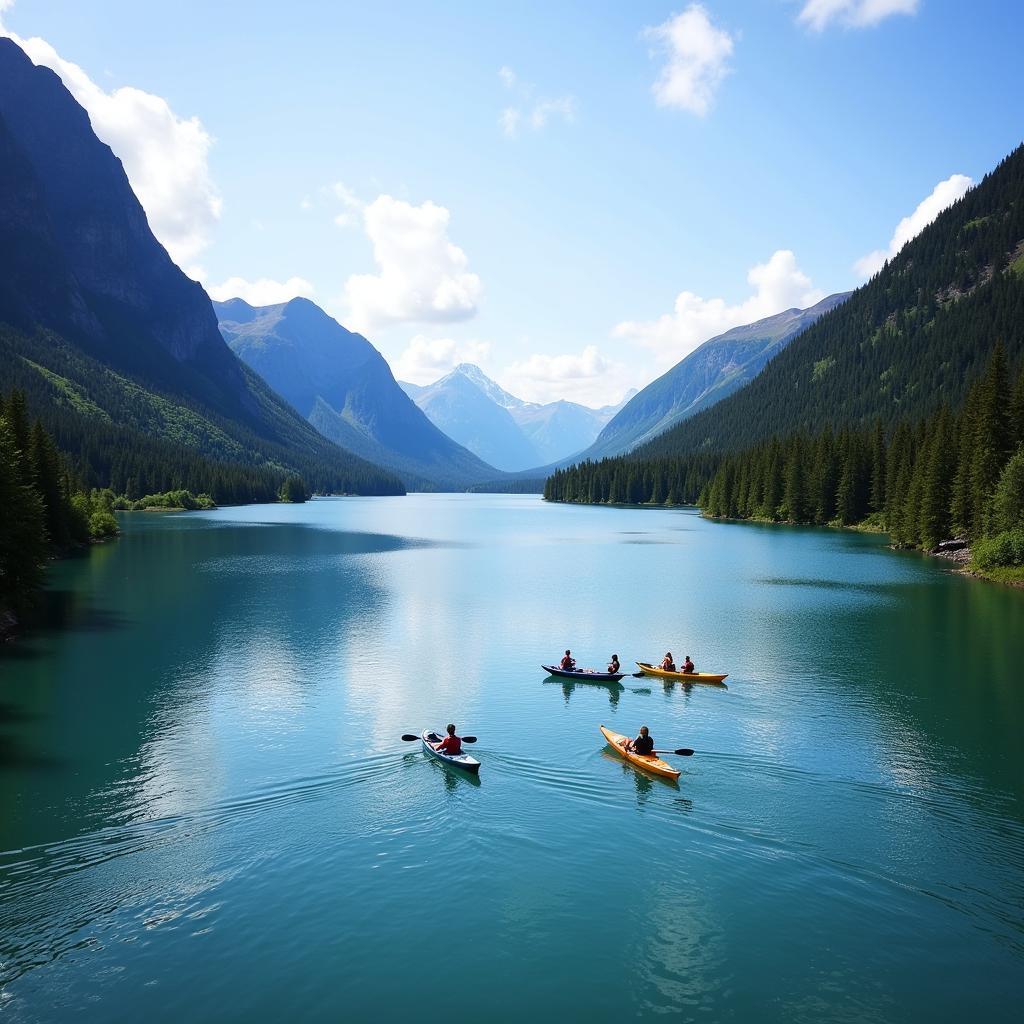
x=573, y=195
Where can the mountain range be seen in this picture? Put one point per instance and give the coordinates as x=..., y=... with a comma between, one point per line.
x=713, y=371
x=506, y=431
x=344, y=387
x=117, y=350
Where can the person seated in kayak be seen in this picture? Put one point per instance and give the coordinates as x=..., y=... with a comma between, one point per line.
x=613, y=665
x=667, y=664
x=688, y=666
x=643, y=744
x=568, y=663
x=451, y=744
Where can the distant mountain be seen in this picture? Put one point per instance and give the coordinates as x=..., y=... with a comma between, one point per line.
x=116, y=349
x=457, y=405
x=344, y=387
x=707, y=375
x=506, y=431
x=559, y=429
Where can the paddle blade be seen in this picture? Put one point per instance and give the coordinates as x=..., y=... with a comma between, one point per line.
x=684, y=751
x=469, y=739
x=408, y=736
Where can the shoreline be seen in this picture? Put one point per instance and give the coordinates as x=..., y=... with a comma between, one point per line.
x=959, y=556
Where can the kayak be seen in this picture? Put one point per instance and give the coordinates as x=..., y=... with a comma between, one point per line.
x=648, y=762
x=588, y=675
x=683, y=677
x=469, y=764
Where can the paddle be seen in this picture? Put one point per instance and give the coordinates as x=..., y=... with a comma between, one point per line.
x=682, y=751
x=465, y=739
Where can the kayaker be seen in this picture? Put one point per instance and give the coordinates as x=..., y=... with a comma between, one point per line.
x=451, y=744
x=613, y=665
x=568, y=663
x=667, y=664
x=643, y=744
x=688, y=666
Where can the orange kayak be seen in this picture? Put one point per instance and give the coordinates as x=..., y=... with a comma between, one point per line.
x=648, y=762
x=683, y=677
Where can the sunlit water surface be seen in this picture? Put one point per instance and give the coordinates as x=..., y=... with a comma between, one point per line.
x=207, y=812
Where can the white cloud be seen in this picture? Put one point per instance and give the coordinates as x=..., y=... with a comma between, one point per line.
x=819, y=14
x=428, y=359
x=588, y=377
x=164, y=155
x=262, y=292
x=535, y=112
x=943, y=195
x=351, y=203
x=697, y=60
x=509, y=121
x=563, y=107
x=423, y=275
x=778, y=284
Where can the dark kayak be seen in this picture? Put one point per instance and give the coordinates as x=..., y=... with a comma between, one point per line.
x=586, y=675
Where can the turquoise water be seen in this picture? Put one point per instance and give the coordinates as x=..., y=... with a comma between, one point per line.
x=207, y=812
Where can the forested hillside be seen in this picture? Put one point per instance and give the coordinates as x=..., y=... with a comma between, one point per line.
x=706, y=376
x=908, y=341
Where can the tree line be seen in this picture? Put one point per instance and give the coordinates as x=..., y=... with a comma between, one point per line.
x=117, y=434
x=951, y=474
x=44, y=509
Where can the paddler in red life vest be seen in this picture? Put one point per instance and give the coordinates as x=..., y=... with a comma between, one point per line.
x=613, y=665
x=688, y=666
x=568, y=663
x=451, y=744
x=667, y=664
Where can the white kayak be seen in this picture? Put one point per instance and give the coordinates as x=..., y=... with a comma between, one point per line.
x=464, y=761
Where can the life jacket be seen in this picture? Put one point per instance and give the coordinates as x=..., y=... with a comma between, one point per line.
x=451, y=745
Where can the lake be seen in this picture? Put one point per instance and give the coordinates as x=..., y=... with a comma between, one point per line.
x=207, y=811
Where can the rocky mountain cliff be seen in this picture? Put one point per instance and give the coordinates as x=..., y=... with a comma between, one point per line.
x=130, y=342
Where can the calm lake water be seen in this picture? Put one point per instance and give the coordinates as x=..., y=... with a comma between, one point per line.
x=207, y=812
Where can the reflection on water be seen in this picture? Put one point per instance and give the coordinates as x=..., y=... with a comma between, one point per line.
x=202, y=776
x=613, y=689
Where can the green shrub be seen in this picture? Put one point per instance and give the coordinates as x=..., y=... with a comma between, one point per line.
x=102, y=524
x=1004, y=549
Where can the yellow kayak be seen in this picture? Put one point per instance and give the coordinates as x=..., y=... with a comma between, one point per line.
x=683, y=677
x=648, y=762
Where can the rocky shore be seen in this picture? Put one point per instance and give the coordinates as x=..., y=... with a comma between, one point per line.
x=956, y=551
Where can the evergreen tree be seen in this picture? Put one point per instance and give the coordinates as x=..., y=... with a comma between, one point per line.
x=23, y=543
x=934, y=523
x=992, y=439
x=1008, y=504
